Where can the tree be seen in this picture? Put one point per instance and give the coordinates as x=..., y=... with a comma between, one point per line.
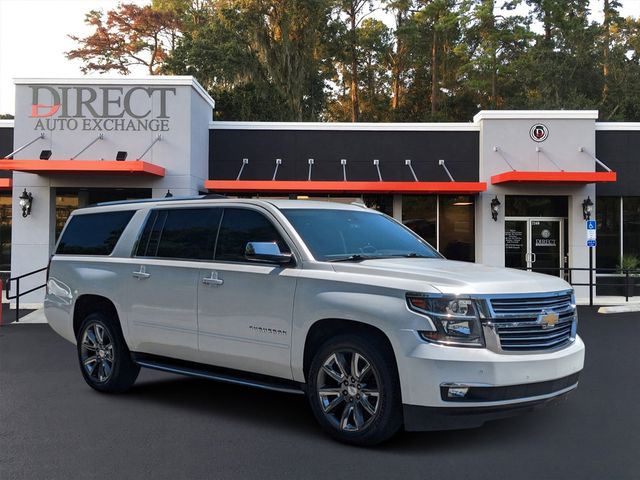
x=131, y=35
x=351, y=12
x=402, y=11
x=285, y=35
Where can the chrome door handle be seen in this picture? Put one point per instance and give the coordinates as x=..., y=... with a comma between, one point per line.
x=212, y=280
x=141, y=274
x=533, y=257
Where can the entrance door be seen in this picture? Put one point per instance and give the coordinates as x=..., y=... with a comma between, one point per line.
x=545, y=246
x=535, y=243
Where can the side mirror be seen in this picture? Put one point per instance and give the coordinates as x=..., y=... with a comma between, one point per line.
x=266, y=252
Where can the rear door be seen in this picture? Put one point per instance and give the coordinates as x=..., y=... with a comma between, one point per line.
x=162, y=284
x=245, y=308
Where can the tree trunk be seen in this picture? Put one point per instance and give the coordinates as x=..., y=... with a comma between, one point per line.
x=607, y=40
x=355, y=104
x=434, y=72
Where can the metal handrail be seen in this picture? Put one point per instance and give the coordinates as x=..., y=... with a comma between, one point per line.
x=18, y=292
x=629, y=274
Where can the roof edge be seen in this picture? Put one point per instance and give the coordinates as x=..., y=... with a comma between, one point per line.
x=425, y=126
x=535, y=114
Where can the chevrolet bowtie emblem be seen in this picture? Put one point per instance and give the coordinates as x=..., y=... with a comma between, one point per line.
x=548, y=319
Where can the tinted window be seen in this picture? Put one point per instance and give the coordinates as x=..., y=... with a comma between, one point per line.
x=336, y=234
x=94, y=233
x=239, y=227
x=188, y=233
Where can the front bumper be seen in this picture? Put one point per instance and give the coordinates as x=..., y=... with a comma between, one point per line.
x=425, y=367
x=420, y=418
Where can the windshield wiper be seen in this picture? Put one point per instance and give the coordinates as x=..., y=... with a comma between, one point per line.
x=413, y=255
x=354, y=258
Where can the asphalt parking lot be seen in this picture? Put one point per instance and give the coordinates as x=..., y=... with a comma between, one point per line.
x=53, y=426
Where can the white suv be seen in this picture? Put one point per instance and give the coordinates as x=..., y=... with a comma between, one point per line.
x=338, y=302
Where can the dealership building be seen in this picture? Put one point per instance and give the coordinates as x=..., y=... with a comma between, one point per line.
x=508, y=188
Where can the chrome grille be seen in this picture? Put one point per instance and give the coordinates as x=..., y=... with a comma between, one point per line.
x=518, y=328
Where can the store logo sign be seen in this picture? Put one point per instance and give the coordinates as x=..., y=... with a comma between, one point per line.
x=539, y=132
x=100, y=108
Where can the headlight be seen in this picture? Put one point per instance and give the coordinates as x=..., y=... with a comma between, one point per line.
x=456, y=319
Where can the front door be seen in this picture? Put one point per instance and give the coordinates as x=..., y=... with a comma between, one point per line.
x=245, y=308
x=535, y=243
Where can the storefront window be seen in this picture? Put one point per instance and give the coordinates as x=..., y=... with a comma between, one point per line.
x=631, y=226
x=420, y=214
x=456, y=216
x=381, y=203
x=65, y=204
x=608, y=217
x=5, y=231
x=457, y=233
x=68, y=199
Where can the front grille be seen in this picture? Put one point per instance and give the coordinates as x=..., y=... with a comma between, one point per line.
x=518, y=327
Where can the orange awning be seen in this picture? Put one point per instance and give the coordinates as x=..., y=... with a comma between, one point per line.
x=553, y=177
x=313, y=186
x=82, y=167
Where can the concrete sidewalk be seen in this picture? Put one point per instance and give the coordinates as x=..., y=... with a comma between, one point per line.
x=36, y=316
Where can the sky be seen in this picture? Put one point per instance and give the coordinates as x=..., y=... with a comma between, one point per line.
x=34, y=37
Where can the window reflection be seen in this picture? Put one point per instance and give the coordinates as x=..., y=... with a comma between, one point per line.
x=420, y=214
x=456, y=216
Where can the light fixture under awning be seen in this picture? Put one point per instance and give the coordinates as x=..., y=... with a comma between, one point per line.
x=314, y=186
x=82, y=167
x=553, y=177
x=6, y=183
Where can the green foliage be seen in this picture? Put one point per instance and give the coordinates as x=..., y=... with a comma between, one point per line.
x=629, y=262
x=335, y=60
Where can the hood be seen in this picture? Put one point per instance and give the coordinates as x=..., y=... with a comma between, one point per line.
x=454, y=277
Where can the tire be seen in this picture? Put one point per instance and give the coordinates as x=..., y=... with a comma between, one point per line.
x=367, y=410
x=105, y=360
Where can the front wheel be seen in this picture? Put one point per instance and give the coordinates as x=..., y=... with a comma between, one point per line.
x=354, y=391
x=104, y=358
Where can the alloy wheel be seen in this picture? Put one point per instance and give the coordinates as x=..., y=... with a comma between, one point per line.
x=96, y=353
x=348, y=388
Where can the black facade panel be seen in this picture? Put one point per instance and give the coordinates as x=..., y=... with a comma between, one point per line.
x=6, y=147
x=227, y=148
x=620, y=151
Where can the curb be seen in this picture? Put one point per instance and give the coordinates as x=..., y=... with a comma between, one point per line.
x=620, y=309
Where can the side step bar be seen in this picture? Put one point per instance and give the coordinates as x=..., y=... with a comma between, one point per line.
x=217, y=374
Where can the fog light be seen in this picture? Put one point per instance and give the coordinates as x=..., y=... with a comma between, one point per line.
x=457, y=392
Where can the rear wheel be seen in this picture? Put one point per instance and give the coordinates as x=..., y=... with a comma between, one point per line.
x=354, y=391
x=105, y=360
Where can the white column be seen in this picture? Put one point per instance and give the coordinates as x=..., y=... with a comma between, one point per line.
x=32, y=237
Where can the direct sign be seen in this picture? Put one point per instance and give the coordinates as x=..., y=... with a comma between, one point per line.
x=89, y=108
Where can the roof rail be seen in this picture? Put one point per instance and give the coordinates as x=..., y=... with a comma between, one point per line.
x=208, y=196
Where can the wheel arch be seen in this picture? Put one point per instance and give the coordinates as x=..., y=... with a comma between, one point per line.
x=323, y=329
x=90, y=303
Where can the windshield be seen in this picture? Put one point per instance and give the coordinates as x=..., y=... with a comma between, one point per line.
x=343, y=235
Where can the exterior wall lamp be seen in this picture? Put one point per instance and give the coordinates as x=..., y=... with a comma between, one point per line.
x=495, y=208
x=26, y=199
x=587, y=208
x=168, y=194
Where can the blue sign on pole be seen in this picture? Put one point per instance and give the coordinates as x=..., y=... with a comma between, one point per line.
x=591, y=233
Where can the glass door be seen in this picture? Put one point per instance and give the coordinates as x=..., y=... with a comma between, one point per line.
x=535, y=243
x=546, y=246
